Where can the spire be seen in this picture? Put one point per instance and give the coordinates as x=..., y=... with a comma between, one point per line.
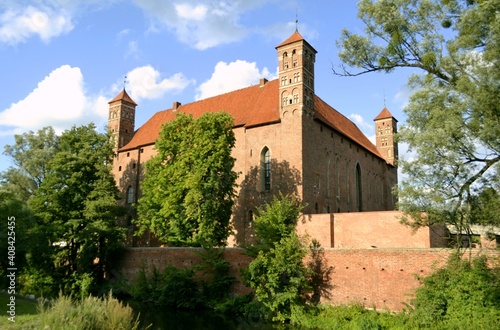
x=296, y=21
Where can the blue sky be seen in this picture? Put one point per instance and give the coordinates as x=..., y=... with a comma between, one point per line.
x=61, y=61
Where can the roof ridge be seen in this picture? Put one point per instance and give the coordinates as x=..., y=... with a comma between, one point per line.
x=229, y=92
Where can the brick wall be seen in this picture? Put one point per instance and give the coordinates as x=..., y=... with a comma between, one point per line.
x=380, y=229
x=375, y=278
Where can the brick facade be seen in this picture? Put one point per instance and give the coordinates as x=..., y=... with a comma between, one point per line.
x=375, y=278
x=312, y=150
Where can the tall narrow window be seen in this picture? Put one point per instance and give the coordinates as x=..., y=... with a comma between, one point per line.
x=359, y=195
x=130, y=195
x=265, y=169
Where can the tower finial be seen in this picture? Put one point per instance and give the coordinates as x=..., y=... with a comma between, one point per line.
x=296, y=21
x=124, y=82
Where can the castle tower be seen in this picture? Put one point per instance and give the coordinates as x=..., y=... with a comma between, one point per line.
x=296, y=59
x=121, y=119
x=386, y=126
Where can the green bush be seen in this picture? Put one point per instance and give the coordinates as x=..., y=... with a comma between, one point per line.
x=280, y=279
x=88, y=313
x=37, y=282
x=179, y=289
x=461, y=295
x=173, y=287
x=215, y=279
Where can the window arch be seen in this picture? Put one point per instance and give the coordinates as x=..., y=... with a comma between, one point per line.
x=359, y=192
x=130, y=195
x=265, y=169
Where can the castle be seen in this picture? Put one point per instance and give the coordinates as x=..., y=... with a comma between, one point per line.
x=287, y=140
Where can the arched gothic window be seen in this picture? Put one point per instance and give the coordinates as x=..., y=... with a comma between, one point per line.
x=265, y=169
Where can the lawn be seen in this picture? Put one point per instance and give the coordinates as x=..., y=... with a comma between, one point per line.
x=26, y=313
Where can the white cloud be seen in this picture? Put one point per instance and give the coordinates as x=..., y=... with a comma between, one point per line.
x=189, y=12
x=146, y=83
x=18, y=25
x=59, y=100
x=21, y=20
x=201, y=24
x=231, y=76
x=360, y=121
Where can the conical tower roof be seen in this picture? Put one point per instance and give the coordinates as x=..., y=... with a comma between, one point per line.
x=123, y=96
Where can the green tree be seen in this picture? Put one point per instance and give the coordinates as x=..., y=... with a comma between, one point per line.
x=188, y=190
x=15, y=223
x=278, y=274
x=76, y=207
x=453, y=115
x=29, y=154
x=461, y=295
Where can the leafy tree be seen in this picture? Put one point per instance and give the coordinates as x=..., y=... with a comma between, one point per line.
x=279, y=277
x=453, y=115
x=15, y=223
x=188, y=190
x=278, y=274
x=76, y=206
x=439, y=303
x=30, y=154
x=277, y=220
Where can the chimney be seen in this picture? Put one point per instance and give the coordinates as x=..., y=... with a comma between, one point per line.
x=176, y=105
x=263, y=81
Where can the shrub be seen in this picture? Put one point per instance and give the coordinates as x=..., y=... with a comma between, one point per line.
x=88, y=313
x=215, y=279
x=461, y=295
x=279, y=278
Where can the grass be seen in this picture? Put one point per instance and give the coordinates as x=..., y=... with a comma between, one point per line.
x=26, y=313
x=65, y=313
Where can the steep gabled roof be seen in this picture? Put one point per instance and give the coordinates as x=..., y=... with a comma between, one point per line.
x=123, y=96
x=252, y=106
x=342, y=124
x=384, y=114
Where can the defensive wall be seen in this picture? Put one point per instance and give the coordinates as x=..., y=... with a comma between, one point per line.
x=375, y=259
x=375, y=278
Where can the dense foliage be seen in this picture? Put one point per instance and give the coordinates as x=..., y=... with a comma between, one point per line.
x=284, y=284
x=205, y=285
x=66, y=219
x=461, y=295
x=453, y=115
x=188, y=191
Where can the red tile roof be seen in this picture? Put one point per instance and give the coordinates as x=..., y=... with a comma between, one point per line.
x=384, y=114
x=294, y=38
x=123, y=96
x=342, y=124
x=252, y=106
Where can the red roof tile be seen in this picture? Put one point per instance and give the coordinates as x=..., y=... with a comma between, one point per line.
x=252, y=106
x=123, y=96
x=296, y=36
x=384, y=114
x=342, y=124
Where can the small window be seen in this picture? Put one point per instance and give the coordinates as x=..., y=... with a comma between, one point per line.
x=133, y=165
x=119, y=168
x=142, y=150
x=128, y=154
